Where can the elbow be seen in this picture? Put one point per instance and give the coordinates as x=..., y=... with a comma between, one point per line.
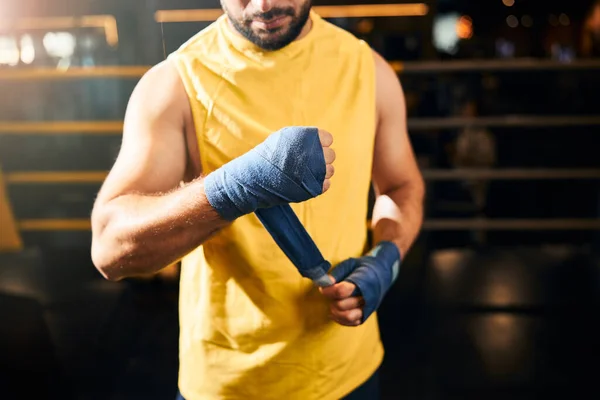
x=117, y=259
x=100, y=252
x=109, y=258
x=413, y=188
x=108, y=264
x=416, y=186
x=421, y=187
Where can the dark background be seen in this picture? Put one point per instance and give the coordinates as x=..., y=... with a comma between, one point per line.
x=494, y=314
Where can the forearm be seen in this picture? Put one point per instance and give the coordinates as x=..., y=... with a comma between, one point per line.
x=397, y=220
x=140, y=234
x=398, y=216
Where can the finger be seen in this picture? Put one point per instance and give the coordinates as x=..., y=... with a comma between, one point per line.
x=338, y=291
x=348, y=304
x=326, y=185
x=329, y=155
x=329, y=171
x=348, y=318
x=326, y=138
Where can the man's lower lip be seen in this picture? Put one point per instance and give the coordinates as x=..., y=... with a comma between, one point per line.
x=270, y=24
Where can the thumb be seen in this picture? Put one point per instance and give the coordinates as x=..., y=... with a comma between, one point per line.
x=344, y=269
x=328, y=290
x=338, y=291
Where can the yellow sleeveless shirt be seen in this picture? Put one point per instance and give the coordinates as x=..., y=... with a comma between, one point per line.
x=250, y=326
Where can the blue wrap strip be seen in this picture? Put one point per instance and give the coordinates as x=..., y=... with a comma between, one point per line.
x=372, y=274
x=291, y=237
x=288, y=167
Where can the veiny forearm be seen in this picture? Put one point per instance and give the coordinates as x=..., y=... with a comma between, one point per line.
x=398, y=216
x=140, y=234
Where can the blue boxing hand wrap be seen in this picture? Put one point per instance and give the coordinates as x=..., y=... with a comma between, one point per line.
x=291, y=237
x=288, y=167
x=372, y=274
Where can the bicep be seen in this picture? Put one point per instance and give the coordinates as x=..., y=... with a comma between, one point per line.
x=394, y=161
x=152, y=158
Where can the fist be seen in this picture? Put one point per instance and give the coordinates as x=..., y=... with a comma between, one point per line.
x=326, y=141
x=292, y=165
x=344, y=308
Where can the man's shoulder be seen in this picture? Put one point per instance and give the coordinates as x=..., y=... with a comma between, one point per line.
x=160, y=75
x=383, y=68
x=161, y=89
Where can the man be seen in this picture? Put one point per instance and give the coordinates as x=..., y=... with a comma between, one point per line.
x=241, y=118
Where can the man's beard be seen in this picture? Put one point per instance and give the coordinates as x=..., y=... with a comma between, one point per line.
x=278, y=37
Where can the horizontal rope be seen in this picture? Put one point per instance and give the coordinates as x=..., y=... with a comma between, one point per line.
x=106, y=22
x=409, y=67
x=40, y=225
x=56, y=177
x=523, y=64
x=346, y=11
x=62, y=127
x=75, y=73
x=512, y=224
x=37, y=177
x=505, y=121
x=509, y=174
x=47, y=73
x=414, y=124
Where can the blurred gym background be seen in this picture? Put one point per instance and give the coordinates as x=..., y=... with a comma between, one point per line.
x=499, y=298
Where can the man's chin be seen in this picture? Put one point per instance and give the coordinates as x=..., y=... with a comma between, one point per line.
x=271, y=35
x=270, y=41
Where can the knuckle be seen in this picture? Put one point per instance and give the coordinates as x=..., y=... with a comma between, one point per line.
x=332, y=154
x=344, y=305
x=354, y=321
x=348, y=289
x=325, y=137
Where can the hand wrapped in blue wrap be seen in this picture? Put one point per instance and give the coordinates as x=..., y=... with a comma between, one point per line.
x=362, y=283
x=292, y=165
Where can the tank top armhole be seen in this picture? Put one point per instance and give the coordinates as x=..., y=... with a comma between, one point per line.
x=373, y=74
x=371, y=69
x=199, y=111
